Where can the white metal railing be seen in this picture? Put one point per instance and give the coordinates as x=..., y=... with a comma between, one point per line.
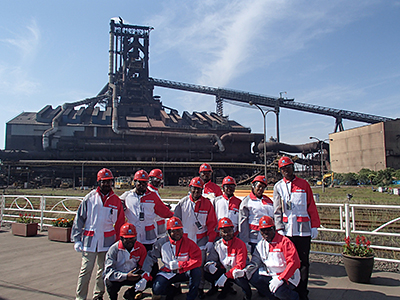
x=41, y=208
x=44, y=207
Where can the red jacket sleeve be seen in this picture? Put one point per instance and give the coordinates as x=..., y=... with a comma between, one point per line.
x=292, y=259
x=211, y=223
x=120, y=219
x=312, y=208
x=241, y=257
x=194, y=257
x=161, y=209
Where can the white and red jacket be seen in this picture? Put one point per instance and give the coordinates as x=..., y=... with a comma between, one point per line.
x=151, y=206
x=250, y=212
x=231, y=255
x=185, y=251
x=228, y=207
x=294, y=206
x=98, y=220
x=119, y=261
x=201, y=211
x=278, y=258
x=211, y=190
x=161, y=222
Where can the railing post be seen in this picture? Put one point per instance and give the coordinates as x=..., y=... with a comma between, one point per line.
x=42, y=207
x=3, y=204
x=347, y=218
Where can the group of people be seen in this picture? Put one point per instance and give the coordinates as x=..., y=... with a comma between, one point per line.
x=211, y=235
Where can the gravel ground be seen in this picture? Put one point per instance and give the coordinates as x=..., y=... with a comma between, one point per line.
x=337, y=260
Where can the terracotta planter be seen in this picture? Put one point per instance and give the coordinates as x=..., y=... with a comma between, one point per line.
x=59, y=234
x=23, y=229
x=358, y=269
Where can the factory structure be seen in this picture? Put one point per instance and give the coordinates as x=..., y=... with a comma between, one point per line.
x=126, y=127
x=375, y=147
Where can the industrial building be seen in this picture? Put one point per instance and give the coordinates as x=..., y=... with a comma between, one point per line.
x=126, y=127
x=375, y=147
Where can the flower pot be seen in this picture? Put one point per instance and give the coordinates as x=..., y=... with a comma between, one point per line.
x=24, y=229
x=358, y=269
x=59, y=234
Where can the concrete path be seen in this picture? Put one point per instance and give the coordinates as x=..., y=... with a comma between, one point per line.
x=35, y=268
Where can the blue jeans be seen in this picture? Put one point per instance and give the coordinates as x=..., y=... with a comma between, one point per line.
x=242, y=281
x=284, y=292
x=163, y=286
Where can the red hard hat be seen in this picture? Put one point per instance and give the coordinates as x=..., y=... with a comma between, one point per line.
x=156, y=173
x=260, y=178
x=104, y=174
x=285, y=161
x=174, y=223
x=141, y=175
x=128, y=230
x=228, y=180
x=224, y=222
x=197, y=182
x=205, y=167
x=266, y=222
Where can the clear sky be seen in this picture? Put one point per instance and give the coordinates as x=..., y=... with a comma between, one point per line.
x=340, y=54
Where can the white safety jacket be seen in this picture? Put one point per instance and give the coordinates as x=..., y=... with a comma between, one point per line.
x=250, y=212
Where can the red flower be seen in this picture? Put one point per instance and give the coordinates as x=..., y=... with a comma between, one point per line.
x=358, y=240
x=363, y=240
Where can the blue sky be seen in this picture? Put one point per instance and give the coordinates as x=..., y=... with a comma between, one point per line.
x=340, y=54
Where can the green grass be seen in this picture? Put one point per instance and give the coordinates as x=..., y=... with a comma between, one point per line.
x=363, y=194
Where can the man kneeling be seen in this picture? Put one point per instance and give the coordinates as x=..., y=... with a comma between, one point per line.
x=123, y=262
x=181, y=258
x=274, y=266
x=226, y=261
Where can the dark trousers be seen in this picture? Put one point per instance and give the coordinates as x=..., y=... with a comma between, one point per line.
x=154, y=269
x=284, y=292
x=303, y=244
x=242, y=281
x=163, y=286
x=113, y=287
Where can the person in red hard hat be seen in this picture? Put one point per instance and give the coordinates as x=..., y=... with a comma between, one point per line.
x=199, y=219
x=155, y=182
x=252, y=208
x=210, y=189
x=96, y=227
x=296, y=216
x=142, y=209
x=226, y=261
x=181, y=259
x=123, y=264
x=274, y=267
x=228, y=205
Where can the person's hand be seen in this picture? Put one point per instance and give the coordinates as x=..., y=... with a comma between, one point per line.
x=211, y=267
x=78, y=246
x=132, y=276
x=221, y=281
x=141, y=285
x=173, y=265
x=314, y=233
x=274, y=284
x=209, y=246
x=237, y=273
x=281, y=232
